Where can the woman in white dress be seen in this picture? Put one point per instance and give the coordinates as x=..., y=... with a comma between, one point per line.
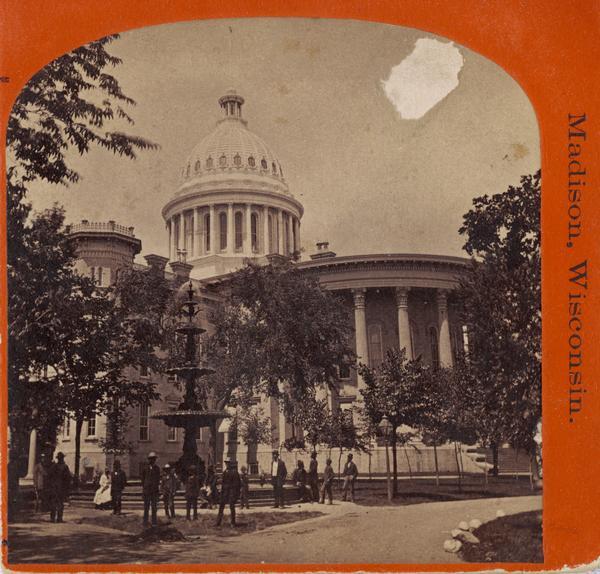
x=102, y=498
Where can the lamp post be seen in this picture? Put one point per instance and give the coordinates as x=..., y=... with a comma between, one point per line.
x=385, y=426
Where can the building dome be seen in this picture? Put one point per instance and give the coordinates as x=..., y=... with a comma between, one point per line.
x=232, y=202
x=232, y=150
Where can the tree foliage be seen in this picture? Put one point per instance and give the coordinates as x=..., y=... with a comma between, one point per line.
x=68, y=106
x=395, y=390
x=279, y=333
x=501, y=295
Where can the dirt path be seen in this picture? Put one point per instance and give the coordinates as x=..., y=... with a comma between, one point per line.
x=346, y=534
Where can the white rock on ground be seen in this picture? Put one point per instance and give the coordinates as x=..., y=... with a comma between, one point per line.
x=452, y=546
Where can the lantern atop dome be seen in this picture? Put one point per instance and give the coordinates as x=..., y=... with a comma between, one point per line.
x=232, y=104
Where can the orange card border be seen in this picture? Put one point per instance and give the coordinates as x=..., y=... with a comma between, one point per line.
x=551, y=49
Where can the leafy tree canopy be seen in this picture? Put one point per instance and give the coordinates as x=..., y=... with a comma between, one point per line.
x=501, y=295
x=280, y=333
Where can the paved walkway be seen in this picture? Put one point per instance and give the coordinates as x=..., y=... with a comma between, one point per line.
x=348, y=533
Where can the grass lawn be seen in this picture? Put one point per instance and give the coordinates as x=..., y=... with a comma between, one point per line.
x=515, y=538
x=204, y=526
x=425, y=490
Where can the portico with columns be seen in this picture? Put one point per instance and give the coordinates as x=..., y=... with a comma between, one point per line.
x=398, y=301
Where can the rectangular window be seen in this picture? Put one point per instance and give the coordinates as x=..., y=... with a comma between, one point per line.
x=91, y=427
x=144, y=372
x=99, y=279
x=171, y=434
x=144, y=422
x=344, y=370
x=67, y=428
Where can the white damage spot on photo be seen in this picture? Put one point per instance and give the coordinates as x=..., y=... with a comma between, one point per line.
x=424, y=78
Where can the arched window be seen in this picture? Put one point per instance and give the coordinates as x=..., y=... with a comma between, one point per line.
x=456, y=342
x=280, y=171
x=223, y=161
x=187, y=170
x=271, y=234
x=209, y=163
x=274, y=168
x=207, y=232
x=286, y=234
x=375, y=345
x=198, y=166
x=251, y=161
x=223, y=231
x=254, y=231
x=237, y=160
x=435, y=350
x=263, y=163
x=239, y=236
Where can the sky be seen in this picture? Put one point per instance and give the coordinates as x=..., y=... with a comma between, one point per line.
x=384, y=133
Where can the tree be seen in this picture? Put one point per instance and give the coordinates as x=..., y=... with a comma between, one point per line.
x=279, y=333
x=66, y=106
x=501, y=295
x=452, y=410
x=395, y=390
x=343, y=434
x=314, y=417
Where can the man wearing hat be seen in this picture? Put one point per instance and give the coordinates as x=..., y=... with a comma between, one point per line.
x=59, y=483
x=168, y=487
x=230, y=491
x=118, y=482
x=151, y=488
x=278, y=476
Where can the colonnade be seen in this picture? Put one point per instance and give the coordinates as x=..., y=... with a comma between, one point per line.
x=233, y=229
x=404, y=336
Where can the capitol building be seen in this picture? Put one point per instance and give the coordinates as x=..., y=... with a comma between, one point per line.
x=233, y=205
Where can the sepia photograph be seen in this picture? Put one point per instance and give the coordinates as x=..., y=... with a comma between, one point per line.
x=274, y=297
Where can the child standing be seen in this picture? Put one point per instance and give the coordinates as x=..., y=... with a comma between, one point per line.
x=192, y=491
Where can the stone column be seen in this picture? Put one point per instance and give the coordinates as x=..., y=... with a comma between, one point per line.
x=296, y=233
x=248, y=230
x=360, y=328
x=213, y=230
x=193, y=241
x=180, y=235
x=403, y=321
x=444, y=329
x=170, y=229
x=290, y=234
x=280, y=232
x=32, y=453
x=265, y=219
x=198, y=233
x=230, y=229
x=281, y=424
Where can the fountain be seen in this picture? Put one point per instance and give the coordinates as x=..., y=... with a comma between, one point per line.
x=196, y=410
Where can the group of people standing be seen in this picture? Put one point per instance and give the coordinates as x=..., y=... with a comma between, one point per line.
x=51, y=483
x=307, y=482
x=155, y=485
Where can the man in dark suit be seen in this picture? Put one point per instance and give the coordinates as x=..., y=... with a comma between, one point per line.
x=118, y=482
x=59, y=483
x=151, y=488
x=230, y=491
x=278, y=476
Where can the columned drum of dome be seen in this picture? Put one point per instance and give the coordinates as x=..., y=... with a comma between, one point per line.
x=232, y=203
